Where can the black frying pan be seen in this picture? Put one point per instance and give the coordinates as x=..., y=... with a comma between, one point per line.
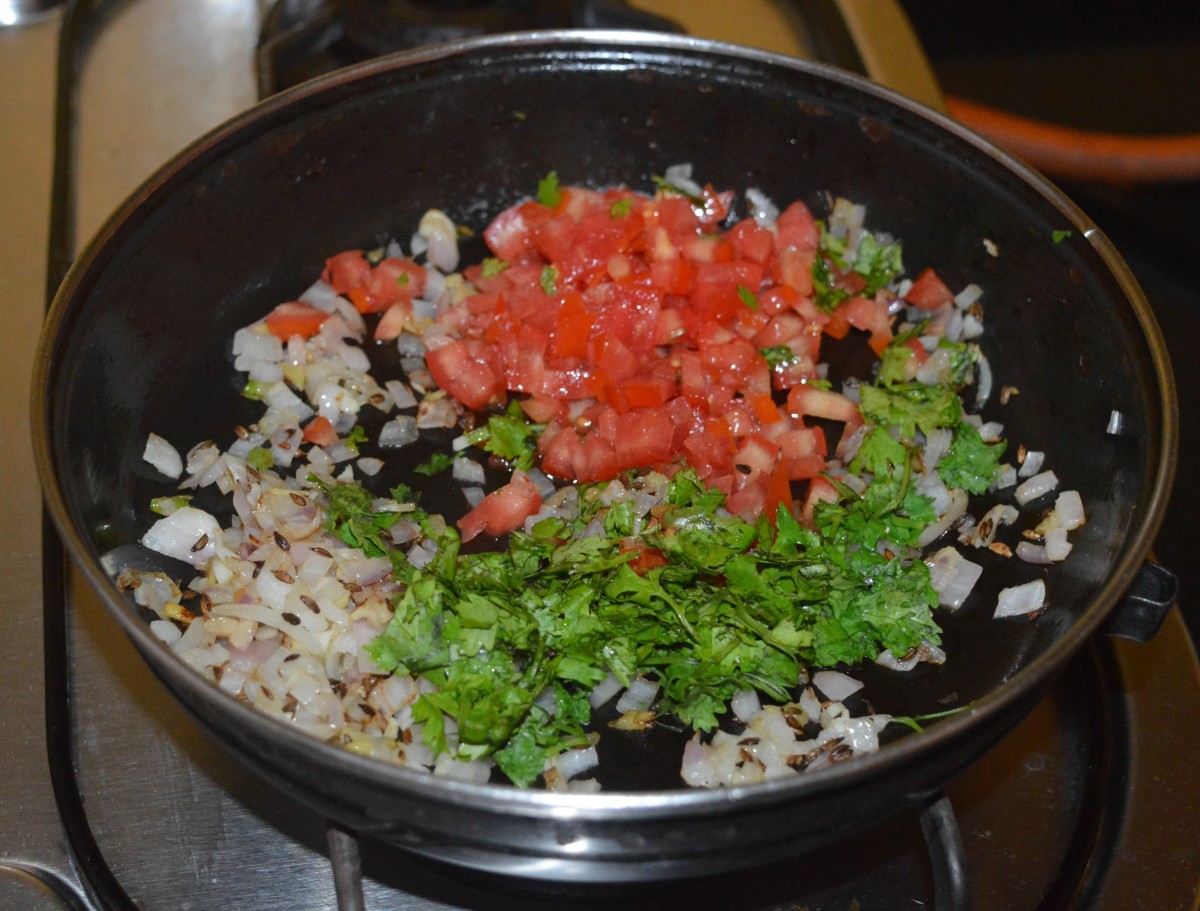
x=138, y=341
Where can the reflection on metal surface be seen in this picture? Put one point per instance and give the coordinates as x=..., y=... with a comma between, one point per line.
x=27, y=12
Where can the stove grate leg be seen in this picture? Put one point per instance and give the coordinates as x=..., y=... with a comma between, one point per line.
x=951, y=890
x=347, y=869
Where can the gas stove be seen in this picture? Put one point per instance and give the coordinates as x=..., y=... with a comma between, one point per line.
x=116, y=799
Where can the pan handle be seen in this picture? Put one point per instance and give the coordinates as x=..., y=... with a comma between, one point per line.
x=1152, y=594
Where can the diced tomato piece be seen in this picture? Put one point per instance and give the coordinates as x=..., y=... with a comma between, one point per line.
x=736, y=272
x=672, y=276
x=645, y=558
x=503, y=510
x=509, y=236
x=320, y=431
x=749, y=496
x=803, y=441
x=295, y=318
x=346, y=271
x=750, y=242
x=470, y=381
x=796, y=227
x=644, y=392
x=918, y=350
x=555, y=237
x=793, y=268
x=819, y=491
x=572, y=326
x=542, y=410
x=779, y=493
x=929, y=292
x=396, y=279
x=870, y=315
x=765, y=409
x=757, y=452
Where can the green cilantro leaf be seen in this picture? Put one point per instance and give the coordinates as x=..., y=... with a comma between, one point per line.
x=549, y=193
x=435, y=464
x=492, y=266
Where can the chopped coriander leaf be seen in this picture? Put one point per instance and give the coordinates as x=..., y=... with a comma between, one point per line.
x=260, y=458
x=963, y=359
x=621, y=208
x=352, y=516
x=832, y=248
x=748, y=297
x=435, y=464
x=880, y=264
x=736, y=606
x=164, y=506
x=255, y=390
x=911, y=406
x=778, y=355
x=357, y=435
x=493, y=266
x=1059, y=236
x=825, y=292
x=509, y=436
x=548, y=191
x=548, y=280
x=971, y=463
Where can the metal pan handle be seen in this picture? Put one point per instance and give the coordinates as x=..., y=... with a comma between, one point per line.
x=1140, y=615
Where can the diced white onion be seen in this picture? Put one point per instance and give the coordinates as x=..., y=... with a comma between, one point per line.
x=163, y=456
x=1021, y=599
x=835, y=685
x=638, y=696
x=467, y=471
x=1032, y=464
x=1037, y=486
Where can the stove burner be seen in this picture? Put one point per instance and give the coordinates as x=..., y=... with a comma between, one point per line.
x=301, y=39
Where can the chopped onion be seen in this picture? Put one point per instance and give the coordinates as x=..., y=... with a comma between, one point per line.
x=604, y=691
x=952, y=576
x=1032, y=464
x=467, y=471
x=188, y=534
x=835, y=685
x=745, y=705
x=1032, y=553
x=163, y=456
x=1021, y=599
x=638, y=696
x=1037, y=486
x=575, y=762
x=399, y=431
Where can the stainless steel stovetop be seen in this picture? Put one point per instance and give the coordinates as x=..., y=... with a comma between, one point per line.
x=148, y=811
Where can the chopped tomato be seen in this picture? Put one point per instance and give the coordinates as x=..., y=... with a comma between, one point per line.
x=346, y=271
x=638, y=334
x=503, y=510
x=929, y=292
x=320, y=431
x=295, y=318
